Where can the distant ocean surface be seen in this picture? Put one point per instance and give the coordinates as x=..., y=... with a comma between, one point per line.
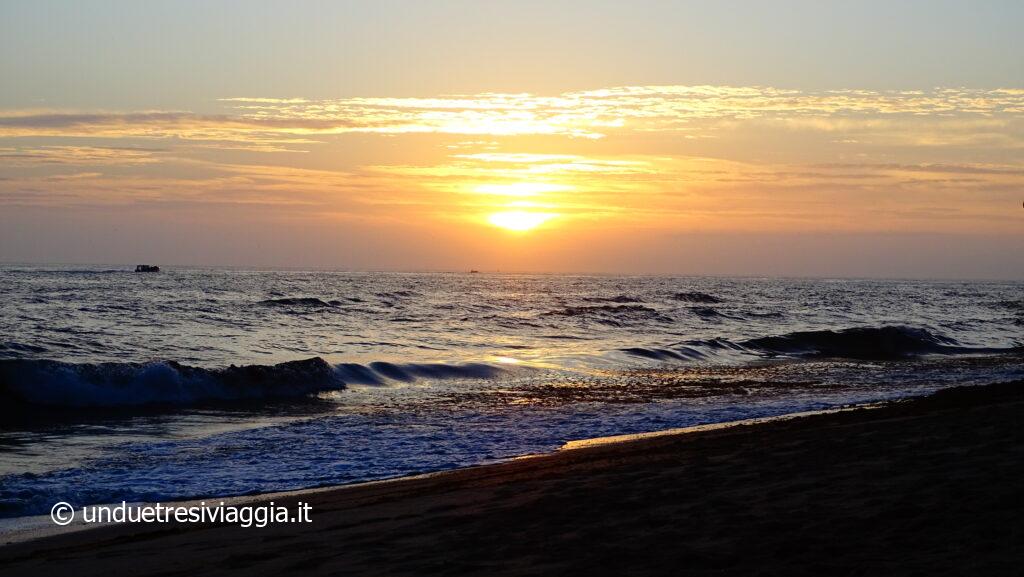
x=118, y=385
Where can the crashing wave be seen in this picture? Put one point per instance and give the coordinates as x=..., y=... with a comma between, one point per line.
x=859, y=343
x=61, y=384
x=869, y=343
x=55, y=383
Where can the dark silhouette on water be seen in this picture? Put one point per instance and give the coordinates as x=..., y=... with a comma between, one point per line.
x=147, y=268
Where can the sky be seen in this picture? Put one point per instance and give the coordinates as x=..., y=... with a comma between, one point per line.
x=863, y=139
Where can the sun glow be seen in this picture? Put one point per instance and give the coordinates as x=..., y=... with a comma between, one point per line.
x=520, y=188
x=519, y=220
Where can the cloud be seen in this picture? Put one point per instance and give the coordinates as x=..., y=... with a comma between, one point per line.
x=183, y=125
x=985, y=169
x=598, y=113
x=671, y=157
x=586, y=114
x=78, y=155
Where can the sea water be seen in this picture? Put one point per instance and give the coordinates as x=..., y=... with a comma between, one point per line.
x=189, y=383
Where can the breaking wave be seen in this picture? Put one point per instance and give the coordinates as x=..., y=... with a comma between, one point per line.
x=55, y=383
x=888, y=342
x=60, y=384
x=859, y=343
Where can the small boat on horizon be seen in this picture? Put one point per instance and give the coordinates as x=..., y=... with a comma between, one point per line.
x=147, y=268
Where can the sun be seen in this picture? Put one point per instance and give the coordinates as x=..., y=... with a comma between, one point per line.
x=519, y=220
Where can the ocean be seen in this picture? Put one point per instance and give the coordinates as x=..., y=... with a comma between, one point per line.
x=194, y=383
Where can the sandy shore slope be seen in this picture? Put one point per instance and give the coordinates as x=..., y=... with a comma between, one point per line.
x=927, y=487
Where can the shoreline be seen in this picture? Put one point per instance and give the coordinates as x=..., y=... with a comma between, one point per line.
x=920, y=485
x=19, y=530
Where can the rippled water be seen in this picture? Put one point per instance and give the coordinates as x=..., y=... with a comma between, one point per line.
x=119, y=385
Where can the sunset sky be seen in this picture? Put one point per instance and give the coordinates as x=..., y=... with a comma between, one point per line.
x=760, y=138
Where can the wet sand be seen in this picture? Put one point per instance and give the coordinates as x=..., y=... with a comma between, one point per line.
x=931, y=486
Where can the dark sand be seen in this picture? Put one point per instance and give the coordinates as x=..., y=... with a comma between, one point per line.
x=933, y=486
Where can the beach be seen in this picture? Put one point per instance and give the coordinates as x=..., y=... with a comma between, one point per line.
x=397, y=288
x=928, y=486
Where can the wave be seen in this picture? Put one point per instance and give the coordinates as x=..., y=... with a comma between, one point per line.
x=308, y=302
x=859, y=343
x=765, y=315
x=398, y=295
x=869, y=343
x=682, y=354
x=708, y=313
x=502, y=320
x=614, y=315
x=61, y=384
x=696, y=297
x=621, y=299
x=17, y=349
x=412, y=371
x=56, y=383
x=378, y=373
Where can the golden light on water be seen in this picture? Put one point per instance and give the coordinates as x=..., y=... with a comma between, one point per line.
x=519, y=220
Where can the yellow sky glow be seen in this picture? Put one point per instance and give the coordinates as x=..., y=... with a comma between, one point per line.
x=674, y=159
x=519, y=220
x=520, y=188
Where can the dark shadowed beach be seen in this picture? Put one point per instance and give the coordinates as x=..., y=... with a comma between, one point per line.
x=928, y=486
